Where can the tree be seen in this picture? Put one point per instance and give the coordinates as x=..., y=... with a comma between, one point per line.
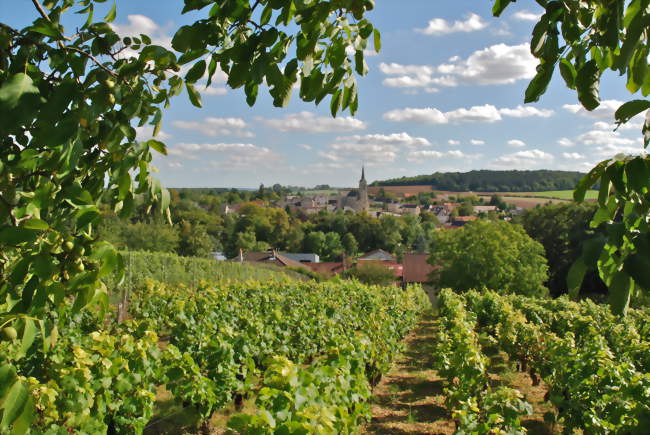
x=69, y=102
x=483, y=254
x=584, y=39
x=350, y=245
x=563, y=229
x=314, y=242
x=332, y=248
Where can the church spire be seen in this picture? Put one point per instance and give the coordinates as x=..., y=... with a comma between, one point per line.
x=363, y=174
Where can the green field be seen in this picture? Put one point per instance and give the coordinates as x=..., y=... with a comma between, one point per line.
x=554, y=194
x=558, y=194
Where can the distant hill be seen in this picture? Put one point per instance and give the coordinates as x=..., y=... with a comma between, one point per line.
x=491, y=181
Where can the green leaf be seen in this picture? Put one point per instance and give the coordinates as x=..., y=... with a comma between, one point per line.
x=630, y=109
x=7, y=378
x=575, y=276
x=14, y=404
x=17, y=235
x=266, y=15
x=86, y=215
x=110, y=260
x=196, y=72
x=158, y=146
x=15, y=88
x=29, y=335
x=589, y=180
x=539, y=83
x=499, y=6
x=195, y=97
x=46, y=28
x=35, y=224
x=587, y=85
x=110, y=16
x=377, y=40
x=568, y=72
x=335, y=103
x=619, y=293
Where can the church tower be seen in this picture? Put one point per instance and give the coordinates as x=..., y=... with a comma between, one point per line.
x=364, y=204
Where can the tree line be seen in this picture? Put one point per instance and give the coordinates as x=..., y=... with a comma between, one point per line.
x=491, y=181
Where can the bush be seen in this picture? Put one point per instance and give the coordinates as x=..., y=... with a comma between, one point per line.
x=371, y=273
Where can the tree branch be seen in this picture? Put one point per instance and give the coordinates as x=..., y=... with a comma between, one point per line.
x=91, y=57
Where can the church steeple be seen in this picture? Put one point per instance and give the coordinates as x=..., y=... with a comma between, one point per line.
x=364, y=203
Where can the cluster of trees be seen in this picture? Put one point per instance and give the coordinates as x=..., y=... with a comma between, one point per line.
x=489, y=254
x=492, y=181
x=564, y=231
x=199, y=228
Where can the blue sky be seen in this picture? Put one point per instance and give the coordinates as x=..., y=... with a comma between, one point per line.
x=445, y=94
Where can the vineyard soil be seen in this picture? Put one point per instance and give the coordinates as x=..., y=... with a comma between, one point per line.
x=410, y=398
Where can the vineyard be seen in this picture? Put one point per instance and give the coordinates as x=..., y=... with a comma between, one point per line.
x=306, y=353
x=596, y=366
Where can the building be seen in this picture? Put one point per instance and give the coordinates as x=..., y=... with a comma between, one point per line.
x=484, y=208
x=410, y=209
x=268, y=257
x=302, y=257
x=378, y=255
x=461, y=221
x=417, y=269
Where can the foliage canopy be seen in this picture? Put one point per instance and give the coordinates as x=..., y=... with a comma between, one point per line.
x=486, y=254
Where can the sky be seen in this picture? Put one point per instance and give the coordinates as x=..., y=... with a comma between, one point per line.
x=444, y=94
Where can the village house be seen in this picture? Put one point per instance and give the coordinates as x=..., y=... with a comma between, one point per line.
x=416, y=269
x=484, y=208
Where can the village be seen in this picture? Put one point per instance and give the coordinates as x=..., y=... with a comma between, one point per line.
x=376, y=202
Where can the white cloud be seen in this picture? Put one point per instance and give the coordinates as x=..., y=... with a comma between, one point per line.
x=484, y=113
x=565, y=142
x=604, y=111
x=610, y=150
x=427, y=115
x=310, y=123
x=146, y=132
x=526, y=111
x=523, y=159
x=174, y=165
x=525, y=15
x=572, y=156
x=453, y=142
x=477, y=142
x=372, y=148
x=604, y=137
x=212, y=126
x=232, y=155
x=418, y=156
x=516, y=143
x=498, y=64
x=305, y=146
x=141, y=24
x=439, y=26
x=212, y=90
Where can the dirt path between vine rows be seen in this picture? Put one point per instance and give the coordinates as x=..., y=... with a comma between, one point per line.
x=409, y=400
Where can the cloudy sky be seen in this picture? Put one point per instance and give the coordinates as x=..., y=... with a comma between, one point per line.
x=445, y=94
